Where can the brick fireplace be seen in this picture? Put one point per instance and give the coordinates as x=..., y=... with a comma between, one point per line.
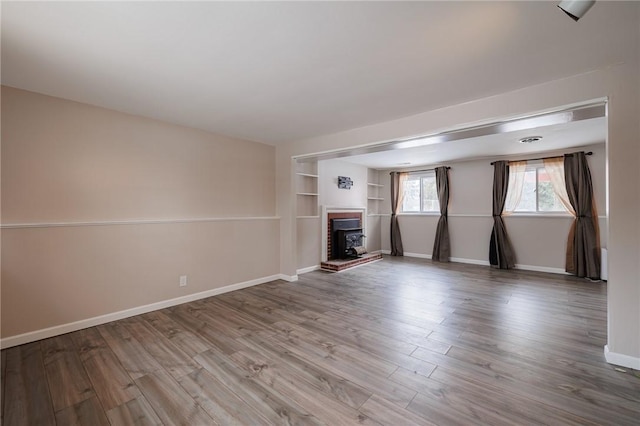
x=328, y=262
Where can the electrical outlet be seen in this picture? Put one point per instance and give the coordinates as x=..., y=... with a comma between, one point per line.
x=183, y=280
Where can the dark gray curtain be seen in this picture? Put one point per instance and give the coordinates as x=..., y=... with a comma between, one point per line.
x=583, y=245
x=441, y=244
x=501, y=254
x=396, y=238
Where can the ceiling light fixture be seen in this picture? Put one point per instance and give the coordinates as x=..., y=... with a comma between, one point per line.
x=576, y=8
x=530, y=139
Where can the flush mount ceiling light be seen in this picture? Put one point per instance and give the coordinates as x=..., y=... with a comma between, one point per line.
x=576, y=9
x=530, y=139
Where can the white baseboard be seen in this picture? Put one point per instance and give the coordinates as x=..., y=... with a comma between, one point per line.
x=486, y=263
x=418, y=255
x=407, y=254
x=307, y=269
x=290, y=278
x=451, y=259
x=469, y=261
x=542, y=269
x=33, y=336
x=621, y=359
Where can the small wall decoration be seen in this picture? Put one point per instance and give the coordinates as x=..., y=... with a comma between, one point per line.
x=344, y=182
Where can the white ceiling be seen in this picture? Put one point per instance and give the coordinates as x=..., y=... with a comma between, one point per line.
x=282, y=71
x=554, y=138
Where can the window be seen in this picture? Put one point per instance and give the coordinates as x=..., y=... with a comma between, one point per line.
x=420, y=194
x=538, y=195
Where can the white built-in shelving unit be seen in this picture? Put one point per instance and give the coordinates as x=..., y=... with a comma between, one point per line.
x=374, y=193
x=307, y=189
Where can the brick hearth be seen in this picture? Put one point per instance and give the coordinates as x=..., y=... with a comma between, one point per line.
x=342, y=264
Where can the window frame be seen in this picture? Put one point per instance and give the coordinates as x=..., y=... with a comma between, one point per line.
x=421, y=175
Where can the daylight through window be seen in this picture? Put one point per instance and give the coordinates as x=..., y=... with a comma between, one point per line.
x=538, y=194
x=420, y=194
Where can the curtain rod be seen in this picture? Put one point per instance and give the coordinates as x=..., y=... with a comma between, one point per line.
x=544, y=158
x=418, y=171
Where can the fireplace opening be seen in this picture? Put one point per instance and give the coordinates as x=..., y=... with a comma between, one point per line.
x=347, y=238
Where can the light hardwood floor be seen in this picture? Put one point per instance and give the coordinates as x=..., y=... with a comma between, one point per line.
x=397, y=342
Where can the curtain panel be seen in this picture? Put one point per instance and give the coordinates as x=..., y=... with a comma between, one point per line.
x=501, y=254
x=441, y=245
x=555, y=170
x=397, y=185
x=517, y=171
x=583, y=244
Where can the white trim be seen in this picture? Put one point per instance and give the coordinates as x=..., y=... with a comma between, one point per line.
x=33, y=336
x=325, y=222
x=307, y=269
x=433, y=214
x=604, y=264
x=519, y=215
x=469, y=261
x=307, y=175
x=133, y=222
x=418, y=255
x=307, y=217
x=621, y=359
x=558, y=215
x=541, y=269
x=289, y=278
x=544, y=215
x=486, y=263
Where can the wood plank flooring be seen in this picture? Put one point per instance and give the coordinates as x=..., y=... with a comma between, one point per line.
x=398, y=342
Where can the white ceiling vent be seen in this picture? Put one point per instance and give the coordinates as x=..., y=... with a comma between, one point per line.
x=530, y=139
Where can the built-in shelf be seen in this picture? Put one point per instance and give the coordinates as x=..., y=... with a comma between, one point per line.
x=374, y=193
x=307, y=189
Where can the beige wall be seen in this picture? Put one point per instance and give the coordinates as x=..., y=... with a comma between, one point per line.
x=331, y=195
x=309, y=243
x=58, y=275
x=64, y=162
x=617, y=83
x=374, y=233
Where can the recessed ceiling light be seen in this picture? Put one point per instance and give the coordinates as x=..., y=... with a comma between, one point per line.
x=404, y=164
x=530, y=139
